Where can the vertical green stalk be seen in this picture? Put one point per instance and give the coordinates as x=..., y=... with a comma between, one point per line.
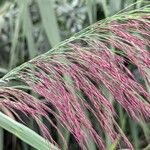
x=66, y=135
x=91, y=145
x=105, y=8
x=109, y=96
x=15, y=38
x=92, y=10
x=27, y=28
x=49, y=21
x=134, y=133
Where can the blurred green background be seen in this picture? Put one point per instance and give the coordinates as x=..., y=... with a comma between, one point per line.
x=31, y=27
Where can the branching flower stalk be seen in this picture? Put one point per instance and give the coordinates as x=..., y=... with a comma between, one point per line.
x=68, y=79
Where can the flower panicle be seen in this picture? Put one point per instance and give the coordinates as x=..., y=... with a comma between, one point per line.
x=77, y=82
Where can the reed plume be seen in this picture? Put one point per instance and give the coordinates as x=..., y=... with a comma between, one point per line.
x=70, y=78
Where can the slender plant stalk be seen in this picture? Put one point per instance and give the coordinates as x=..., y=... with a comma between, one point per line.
x=105, y=8
x=28, y=28
x=135, y=134
x=13, y=51
x=49, y=21
x=92, y=9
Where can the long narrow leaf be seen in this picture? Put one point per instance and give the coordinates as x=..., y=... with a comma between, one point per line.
x=25, y=134
x=27, y=27
x=49, y=21
x=13, y=50
x=92, y=10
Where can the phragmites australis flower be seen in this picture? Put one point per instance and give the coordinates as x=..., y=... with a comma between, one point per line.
x=75, y=78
